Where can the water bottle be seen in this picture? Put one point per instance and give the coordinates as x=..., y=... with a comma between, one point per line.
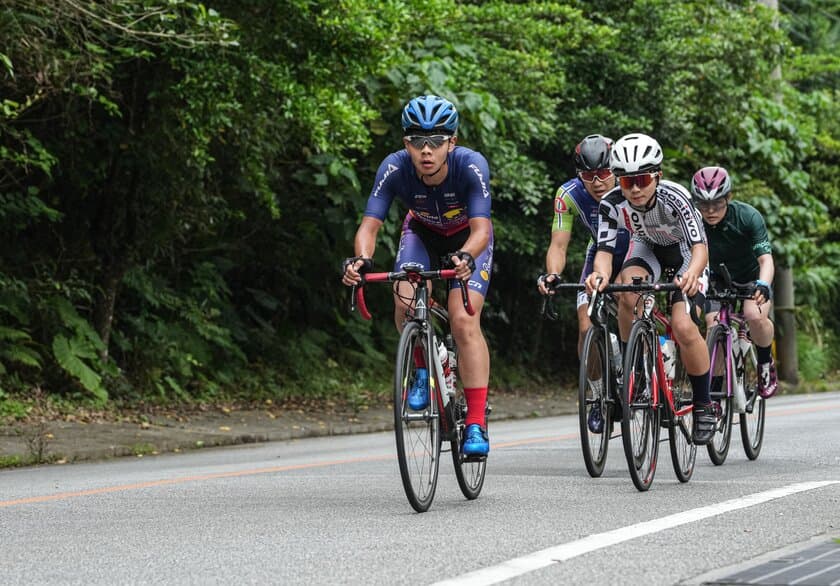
x=669, y=353
x=443, y=356
x=616, y=354
x=452, y=364
x=741, y=348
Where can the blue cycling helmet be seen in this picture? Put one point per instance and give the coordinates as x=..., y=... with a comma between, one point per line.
x=425, y=113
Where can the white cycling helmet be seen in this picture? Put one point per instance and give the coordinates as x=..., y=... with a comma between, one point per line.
x=635, y=153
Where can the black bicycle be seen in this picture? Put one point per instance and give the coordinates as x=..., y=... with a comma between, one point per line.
x=599, y=379
x=420, y=434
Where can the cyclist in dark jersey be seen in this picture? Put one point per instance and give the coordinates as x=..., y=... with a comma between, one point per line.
x=446, y=189
x=666, y=232
x=579, y=198
x=738, y=239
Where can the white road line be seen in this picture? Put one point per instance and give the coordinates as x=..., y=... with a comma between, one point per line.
x=546, y=557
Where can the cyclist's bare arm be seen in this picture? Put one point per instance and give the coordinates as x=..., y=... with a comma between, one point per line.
x=365, y=244
x=766, y=273
x=601, y=269
x=689, y=281
x=555, y=258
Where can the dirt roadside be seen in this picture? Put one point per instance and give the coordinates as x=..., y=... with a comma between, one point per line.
x=61, y=441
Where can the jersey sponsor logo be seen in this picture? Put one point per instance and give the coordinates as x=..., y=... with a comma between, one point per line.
x=453, y=213
x=391, y=168
x=560, y=206
x=475, y=285
x=477, y=171
x=484, y=275
x=627, y=222
x=635, y=223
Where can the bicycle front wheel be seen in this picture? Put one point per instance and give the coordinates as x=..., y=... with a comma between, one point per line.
x=594, y=412
x=640, y=416
x=417, y=432
x=752, y=420
x=469, y=471
x=721, y=378
x=680, y=424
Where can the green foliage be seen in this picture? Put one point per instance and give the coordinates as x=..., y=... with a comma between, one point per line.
x=180, y=182
x=76, y=347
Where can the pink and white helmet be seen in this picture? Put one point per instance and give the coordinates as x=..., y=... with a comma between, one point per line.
x=710, y=183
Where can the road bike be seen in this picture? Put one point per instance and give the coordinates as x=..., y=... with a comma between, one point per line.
x=656, y=390
x=421, y=434
x=599, y=377
x=734, y=373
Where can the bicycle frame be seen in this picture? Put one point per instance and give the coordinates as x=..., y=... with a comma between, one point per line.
x=736, y=327
x=421, y=307
x=661, y=380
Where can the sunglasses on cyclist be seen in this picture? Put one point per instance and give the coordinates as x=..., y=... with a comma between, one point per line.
x=711, y=206
x=589, y=176
x=641, y=181
x=435, y=140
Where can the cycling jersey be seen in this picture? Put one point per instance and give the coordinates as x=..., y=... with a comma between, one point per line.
x=737, y=241
x=661, y=237
x=437, y=223
x=671, y=220
x=573, y=201
x=445, y=208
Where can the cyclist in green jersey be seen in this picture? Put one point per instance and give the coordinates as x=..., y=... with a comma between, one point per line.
x=738, y=239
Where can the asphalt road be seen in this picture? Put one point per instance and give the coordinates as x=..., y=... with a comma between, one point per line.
x=332, y=511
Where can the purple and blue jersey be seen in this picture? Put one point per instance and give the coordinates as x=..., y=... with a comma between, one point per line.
x=438, y=216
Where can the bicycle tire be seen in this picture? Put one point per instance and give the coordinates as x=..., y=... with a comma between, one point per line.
x=417, y=434
x=751, y=421
x=469, y=472
x=593, y=390
x=718, y=448
x=640, y=417
x=683, y=450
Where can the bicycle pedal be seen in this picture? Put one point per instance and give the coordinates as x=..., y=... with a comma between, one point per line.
x=473, y=459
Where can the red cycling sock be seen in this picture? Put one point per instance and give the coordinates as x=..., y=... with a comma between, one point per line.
x=476, y=404
x=419, y=357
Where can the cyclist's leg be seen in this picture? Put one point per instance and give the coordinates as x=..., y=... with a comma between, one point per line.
x=412, y=249
x=694, y=353
x=640, y=262
x=473, y=354
x=761, y=331
x=583, y=299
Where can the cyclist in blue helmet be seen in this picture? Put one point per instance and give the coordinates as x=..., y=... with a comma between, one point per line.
x=446, y=189
x=430, y=113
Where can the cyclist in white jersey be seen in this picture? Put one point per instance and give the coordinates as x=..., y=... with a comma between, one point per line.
x=667, y=233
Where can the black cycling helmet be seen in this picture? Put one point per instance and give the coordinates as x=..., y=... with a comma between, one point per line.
x=593, y=153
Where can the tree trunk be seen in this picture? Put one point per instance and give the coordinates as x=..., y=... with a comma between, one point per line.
x=785, y=310
x=105, y=301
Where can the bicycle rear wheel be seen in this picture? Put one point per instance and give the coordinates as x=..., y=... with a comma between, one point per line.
x=640, y=417
x=752, y=420
x=417, y=433
x=593, y=409
x=468, y=471
x=681, y=421
x=718, y=448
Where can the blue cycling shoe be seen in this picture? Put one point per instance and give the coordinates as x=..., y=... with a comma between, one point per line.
x=476, y=442
x=595, y=420
x=418, y=395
